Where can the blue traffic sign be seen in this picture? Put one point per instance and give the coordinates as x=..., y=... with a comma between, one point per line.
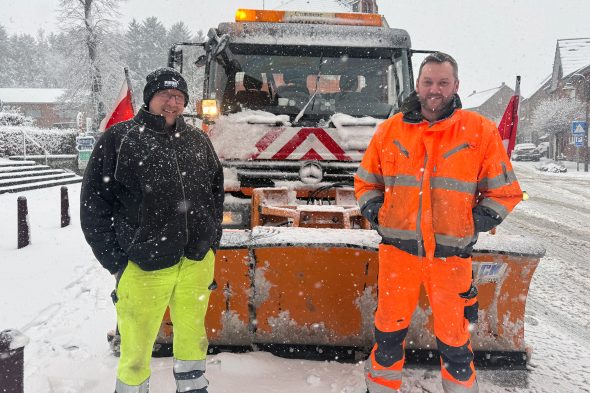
x=579, y=127
x=578, y=140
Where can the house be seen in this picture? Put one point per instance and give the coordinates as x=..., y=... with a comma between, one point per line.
x=43, y=105
x=563, y=97
x=491, y=102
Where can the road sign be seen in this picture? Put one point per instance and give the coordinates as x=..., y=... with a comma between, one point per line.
x=579, y=127
x=578, y=140
x=85, y=143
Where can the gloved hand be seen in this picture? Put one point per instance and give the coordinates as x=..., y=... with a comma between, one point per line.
x=371, y=212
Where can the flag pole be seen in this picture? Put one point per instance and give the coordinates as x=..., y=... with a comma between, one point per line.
x=517, y=94
x=126, y=70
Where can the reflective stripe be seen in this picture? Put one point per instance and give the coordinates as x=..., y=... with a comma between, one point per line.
x=122, y=387
x=455, y=150
x=401, y=148
x=398, y=233
x=365, y=175
x=189, y=375
x=369, y=195
x=495, y=206
x=189, y=385
x=389, y=375
x=184, y=366
x=452, y=241
x=449, y=183
x=451, y=387
x=374, y=387
x=401, y=180
x=496, y=182
x=421, y=250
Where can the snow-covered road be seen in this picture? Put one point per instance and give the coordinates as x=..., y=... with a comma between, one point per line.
x=55, y=292
x=558, y=305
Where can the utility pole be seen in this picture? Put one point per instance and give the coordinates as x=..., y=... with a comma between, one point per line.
x=585, y=139
x=584, y=150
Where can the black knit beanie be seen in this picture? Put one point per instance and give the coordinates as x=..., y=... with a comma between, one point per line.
x=162, y=79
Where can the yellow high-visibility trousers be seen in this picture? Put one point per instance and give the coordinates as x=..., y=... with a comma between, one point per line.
x=142, y=300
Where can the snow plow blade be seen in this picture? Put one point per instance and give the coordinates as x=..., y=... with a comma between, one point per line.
x=307, y=291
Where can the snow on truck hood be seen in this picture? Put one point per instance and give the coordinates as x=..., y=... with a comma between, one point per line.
x=263, y=135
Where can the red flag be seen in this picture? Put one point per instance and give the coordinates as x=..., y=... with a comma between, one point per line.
x=509, y=123
x=122, y=110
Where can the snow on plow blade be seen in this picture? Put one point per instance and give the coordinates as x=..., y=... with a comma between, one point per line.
x=288, y=288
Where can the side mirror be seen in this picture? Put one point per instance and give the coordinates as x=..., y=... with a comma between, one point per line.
x=175, y=57
x=201, y=61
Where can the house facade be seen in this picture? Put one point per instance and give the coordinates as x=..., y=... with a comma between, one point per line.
x=562, y=98
x=44, y=106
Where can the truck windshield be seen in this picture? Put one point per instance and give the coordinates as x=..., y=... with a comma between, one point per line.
x=281, y=80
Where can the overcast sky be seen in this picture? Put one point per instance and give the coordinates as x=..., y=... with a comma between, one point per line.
x=493, y=40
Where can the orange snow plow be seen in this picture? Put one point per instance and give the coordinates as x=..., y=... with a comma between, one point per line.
x=311, y=291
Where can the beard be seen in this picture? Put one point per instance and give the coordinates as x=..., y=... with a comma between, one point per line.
x=435, y=103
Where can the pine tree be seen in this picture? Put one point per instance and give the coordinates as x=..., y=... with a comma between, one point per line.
x=179, y=32
x=153, y=49
x=23, y=65
x=4, y=76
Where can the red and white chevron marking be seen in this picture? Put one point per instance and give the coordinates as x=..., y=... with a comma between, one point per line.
x=303, y=144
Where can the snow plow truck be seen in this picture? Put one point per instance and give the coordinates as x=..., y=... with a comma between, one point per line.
x=290, y=101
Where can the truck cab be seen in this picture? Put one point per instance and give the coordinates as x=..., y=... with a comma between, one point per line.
x=293, y=98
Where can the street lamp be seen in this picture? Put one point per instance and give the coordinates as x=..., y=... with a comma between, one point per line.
x=586, y=83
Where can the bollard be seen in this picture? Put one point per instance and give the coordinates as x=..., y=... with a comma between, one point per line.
x=12, y=345
x=65, y=207
x=24, y=233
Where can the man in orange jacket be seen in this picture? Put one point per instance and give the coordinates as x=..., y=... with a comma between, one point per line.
x=432, y=178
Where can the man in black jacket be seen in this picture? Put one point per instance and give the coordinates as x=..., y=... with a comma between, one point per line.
x=151, y=209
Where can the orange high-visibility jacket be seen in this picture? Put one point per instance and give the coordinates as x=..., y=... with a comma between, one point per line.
x=436, y=185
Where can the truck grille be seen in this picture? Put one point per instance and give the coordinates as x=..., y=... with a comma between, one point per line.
x=268, y=173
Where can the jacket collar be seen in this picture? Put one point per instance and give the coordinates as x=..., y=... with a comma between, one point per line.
x=157, y=123
x=411, y=109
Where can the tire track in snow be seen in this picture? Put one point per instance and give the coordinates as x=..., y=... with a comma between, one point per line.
x=558, y=286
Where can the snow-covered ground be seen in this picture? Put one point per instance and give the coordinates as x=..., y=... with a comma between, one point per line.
x=55, y=292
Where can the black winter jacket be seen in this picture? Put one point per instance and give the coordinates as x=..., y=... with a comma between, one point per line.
x=151, y=196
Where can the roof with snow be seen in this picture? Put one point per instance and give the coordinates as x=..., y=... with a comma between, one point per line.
x=478, y=98
x=571, y=55
x=30, y=96
x=574, y=54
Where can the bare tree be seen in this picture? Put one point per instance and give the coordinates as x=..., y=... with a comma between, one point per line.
x=555, y=115
x=88, y=23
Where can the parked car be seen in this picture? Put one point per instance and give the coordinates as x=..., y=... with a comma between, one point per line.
x=543, y=149
x=525, y=152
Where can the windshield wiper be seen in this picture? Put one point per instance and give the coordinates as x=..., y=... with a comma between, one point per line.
x=317, y=84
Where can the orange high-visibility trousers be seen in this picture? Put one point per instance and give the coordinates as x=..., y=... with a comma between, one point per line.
x=448, y=284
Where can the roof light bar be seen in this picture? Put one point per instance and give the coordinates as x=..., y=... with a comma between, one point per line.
x=338, y=18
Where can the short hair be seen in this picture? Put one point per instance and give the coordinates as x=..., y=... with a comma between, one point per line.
x=440, y=57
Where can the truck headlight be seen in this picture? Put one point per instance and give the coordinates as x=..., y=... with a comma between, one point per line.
x=232, y=218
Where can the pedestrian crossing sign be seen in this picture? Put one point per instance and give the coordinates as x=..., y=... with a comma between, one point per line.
x=579, y=127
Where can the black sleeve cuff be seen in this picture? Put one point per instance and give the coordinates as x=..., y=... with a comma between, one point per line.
x=485, y=219
x=371, y=211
